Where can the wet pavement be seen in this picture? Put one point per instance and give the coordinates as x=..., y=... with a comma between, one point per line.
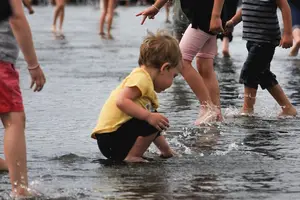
x=243, y=158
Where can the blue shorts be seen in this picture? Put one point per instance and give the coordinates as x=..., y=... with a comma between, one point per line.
x=295, y=16
x=256, y=69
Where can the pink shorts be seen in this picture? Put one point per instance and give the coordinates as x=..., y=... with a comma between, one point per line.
x=197, y=43
x=10, y=93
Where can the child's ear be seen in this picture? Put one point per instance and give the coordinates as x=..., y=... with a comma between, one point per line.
x=165, y=66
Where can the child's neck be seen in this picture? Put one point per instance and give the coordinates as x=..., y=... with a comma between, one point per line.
x=153, y=72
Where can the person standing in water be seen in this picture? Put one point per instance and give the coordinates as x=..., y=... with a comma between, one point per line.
x=261, y=44
x=14, y=31
x=199, y=40
x=295, y=9
x=107, y=14
x=59, y=12
x=229, y=10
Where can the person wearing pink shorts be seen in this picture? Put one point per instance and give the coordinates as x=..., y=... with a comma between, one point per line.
x=14, y=31
x=199, y=40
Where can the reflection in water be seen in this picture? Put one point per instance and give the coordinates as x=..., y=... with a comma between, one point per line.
x=261, y=139
x=228, y=81
x=294, y=82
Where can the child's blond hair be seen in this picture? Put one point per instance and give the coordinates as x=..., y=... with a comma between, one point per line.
x=158, y=49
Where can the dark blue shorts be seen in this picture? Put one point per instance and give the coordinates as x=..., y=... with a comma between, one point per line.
x=116, y=145
x=295, y=16
x=256, y=69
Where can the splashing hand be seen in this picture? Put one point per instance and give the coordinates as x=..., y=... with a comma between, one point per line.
x=149, y=12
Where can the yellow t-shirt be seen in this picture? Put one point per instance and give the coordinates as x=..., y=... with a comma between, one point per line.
x=111, y=117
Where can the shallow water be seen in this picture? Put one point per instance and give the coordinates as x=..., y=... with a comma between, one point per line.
x=243, y=158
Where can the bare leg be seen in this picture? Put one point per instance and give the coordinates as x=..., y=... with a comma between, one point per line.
x=205, y=67
x=28, y=6
x=167, y=12
x=139, y=148
x=161, y=143
x=249, y=100
x=110, y=15
x=195, y=81
x=3, y=165
x=57, y=12
x=61, y=19
x=225, y=50
x=296, y=46
x=15, y=151
x=278, y=94
x=103, y=16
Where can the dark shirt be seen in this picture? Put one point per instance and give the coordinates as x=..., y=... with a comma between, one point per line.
x=5, y=9
x=296, y=3
x=198, y=12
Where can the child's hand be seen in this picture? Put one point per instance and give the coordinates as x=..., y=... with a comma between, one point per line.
x=149, y=12
x=229, y=26
x=37, y=78
x=216, y=25
x=159, y=121
x=286, y=41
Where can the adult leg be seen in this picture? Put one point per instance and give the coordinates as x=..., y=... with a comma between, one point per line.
x=62, y=14
x=15, y=151
x=110, y=15
x=103, y=16
x=57, y=12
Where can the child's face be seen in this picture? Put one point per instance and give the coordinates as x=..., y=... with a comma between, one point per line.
x=165, y=79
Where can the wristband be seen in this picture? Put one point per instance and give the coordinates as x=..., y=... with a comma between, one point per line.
x=33, y=67
x=154, y=6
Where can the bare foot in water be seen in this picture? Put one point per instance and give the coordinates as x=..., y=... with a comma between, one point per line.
x=295, y=49
x=135, y=160
x=207, y=115
x=226, y=53
x=246, y=111
x=102, y=34
x=53, y=29
x=110, y=37
x=288, y=112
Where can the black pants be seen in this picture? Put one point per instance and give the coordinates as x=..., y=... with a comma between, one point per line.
x=256, y=69
x=116, y=145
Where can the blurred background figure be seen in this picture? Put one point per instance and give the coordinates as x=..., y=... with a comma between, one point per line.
x=295, y=9
x=107, y=10
x=229, y=10
x=27, y=4
x=58, y=13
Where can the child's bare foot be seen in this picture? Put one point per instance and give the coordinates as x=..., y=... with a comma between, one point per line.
x=246, y=111
x=102, y=34
x=135, y=160
x=168, y=154
x=31, y=11
x=3, y=165
x=226, y=53
x=294, y=51
x=291, y=111
x=53, y=29
x=208, y=115
x=110, y=37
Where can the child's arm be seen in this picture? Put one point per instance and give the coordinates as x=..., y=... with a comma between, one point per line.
x=22, y=33
x=287, y=38
x=236, y=19
x=125, y=102
x=152, y=10
x=216, y=22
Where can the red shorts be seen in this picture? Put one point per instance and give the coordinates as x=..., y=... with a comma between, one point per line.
x=10, y=93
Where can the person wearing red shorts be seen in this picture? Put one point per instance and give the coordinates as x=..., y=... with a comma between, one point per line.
x=13, y=32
